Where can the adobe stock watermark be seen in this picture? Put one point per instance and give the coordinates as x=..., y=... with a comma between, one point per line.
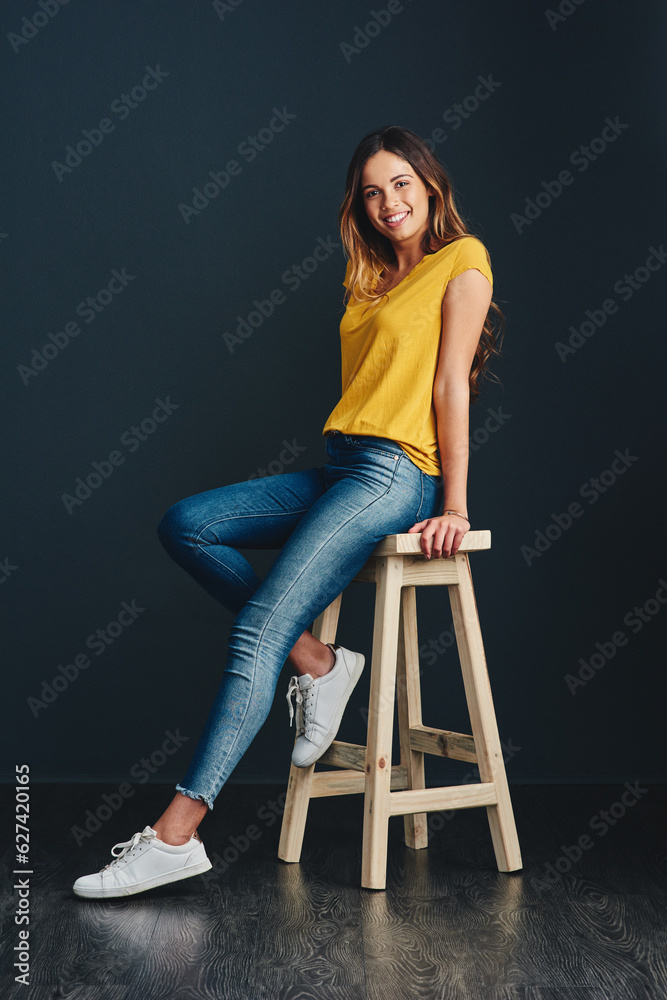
x=625, y=288
x=494, y=421
x=277, y=465
x=141, y=771
x=433, y=649
x=7, y=569
x=98, y=642
x=223, y=7
x=121, y=108
x=591, y=490
x=131, y=440
x=364, y=35
x=462, y=110
x=635, y=620
x=566, y=8
x=31, y=26
x=291, y=279
x=249, y=148
x=601, y=823
x=581, y=158
x=88, y=310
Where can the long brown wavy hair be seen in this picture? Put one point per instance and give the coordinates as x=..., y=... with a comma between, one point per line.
x=369, y=252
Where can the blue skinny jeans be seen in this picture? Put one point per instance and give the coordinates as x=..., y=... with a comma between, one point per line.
x=326, y=521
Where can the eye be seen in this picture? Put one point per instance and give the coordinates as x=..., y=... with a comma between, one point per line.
x=370, y=193
x=402, y=182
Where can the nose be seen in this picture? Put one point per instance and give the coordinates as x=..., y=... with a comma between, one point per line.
x=390, y=202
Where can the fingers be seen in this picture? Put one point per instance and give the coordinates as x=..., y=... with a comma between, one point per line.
x=441, y=538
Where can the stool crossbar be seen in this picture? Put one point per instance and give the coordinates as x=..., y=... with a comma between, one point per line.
x=397, y=566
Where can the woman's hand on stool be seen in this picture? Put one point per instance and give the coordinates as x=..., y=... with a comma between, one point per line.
x=442, y=535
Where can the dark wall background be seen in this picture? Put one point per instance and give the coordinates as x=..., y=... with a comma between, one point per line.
x=554, y=81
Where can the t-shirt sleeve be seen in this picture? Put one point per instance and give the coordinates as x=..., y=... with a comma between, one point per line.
x=471, y=253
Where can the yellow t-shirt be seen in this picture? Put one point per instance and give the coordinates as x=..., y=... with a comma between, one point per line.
x=389, y=354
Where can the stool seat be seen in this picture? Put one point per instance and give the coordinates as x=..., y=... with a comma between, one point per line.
x=397, y=566
x=410, y=544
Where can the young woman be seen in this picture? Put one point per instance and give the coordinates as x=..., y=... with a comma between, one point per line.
x=415, y=338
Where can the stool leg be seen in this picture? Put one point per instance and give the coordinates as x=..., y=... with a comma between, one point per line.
x=483, y=716
x=296, y=811
x=408, y=696
x=389, y=574
x=301, y=778
x=326, y=625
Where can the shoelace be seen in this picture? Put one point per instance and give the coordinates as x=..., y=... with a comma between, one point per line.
x=128, y=846
x=303, y=705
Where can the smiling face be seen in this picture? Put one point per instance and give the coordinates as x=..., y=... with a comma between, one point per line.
x=395, y=197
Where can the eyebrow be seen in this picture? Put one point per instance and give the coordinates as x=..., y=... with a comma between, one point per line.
x=390, y=181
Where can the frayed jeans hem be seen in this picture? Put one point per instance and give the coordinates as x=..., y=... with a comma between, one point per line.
x=194, y=795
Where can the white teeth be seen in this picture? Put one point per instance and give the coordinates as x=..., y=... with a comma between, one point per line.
x=395, y=218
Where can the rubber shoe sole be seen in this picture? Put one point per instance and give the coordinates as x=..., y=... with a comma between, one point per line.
x=152, y=883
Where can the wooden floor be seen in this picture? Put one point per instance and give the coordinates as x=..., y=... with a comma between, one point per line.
x=448, y=926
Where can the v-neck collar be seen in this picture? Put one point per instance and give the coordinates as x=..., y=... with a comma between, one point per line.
x=427, y=256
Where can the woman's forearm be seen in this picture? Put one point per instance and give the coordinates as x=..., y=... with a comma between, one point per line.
x=465, y=306
x=452, y=415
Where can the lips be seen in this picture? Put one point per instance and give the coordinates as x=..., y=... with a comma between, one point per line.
x=396, y=219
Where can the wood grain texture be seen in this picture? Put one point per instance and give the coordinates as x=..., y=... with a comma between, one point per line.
x=381, y=721
x=352, y=782
x=443, y=743
x=349, y=755
x=407, y=543
x=409, y=708
x=448, y=927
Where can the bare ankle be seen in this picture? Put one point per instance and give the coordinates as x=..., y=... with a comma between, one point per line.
x=172, y=837
x=323, y=668
x=180, y=820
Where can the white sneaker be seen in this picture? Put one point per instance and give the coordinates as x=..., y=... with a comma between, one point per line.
x=143, y=863
x=320, y=704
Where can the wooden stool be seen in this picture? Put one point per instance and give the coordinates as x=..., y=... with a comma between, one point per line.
x=397, y=566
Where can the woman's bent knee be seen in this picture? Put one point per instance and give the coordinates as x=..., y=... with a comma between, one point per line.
x=175, y=528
